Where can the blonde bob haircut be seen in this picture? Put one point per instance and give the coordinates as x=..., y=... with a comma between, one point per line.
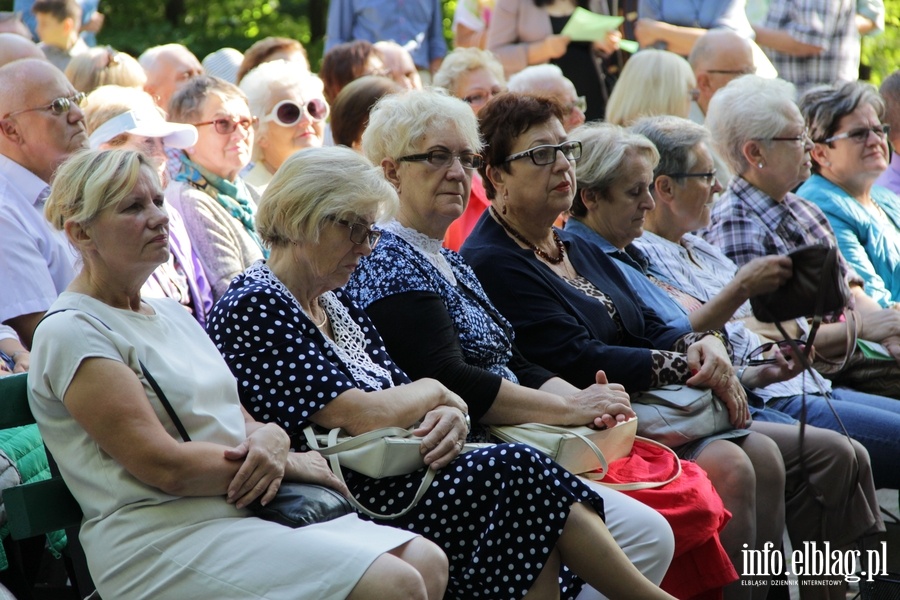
x=398, y=121
x=604, y=149
x=653, y=82
x=316, y=184
x=461, y=61
x=749, y=108
x=91, y=181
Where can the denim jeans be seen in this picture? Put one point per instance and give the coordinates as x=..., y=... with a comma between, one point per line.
x=873, y=421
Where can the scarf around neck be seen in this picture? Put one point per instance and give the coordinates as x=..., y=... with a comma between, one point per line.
x=232, y=196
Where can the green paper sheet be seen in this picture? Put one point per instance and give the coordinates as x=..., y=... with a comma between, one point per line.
x=585, y=26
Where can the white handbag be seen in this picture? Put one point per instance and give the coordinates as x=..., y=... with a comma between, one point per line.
x=583, y=450
x=385, y=452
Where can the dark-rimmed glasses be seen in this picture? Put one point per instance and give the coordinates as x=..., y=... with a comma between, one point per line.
x=860, y=134
x=747, y=71
x=546, y=154
x=707, y=178
x=59, y=106
x=360, y=233
x=757, y=356
x=288, y=113
x=802, y=138
x=444, y=158
x=227, y=126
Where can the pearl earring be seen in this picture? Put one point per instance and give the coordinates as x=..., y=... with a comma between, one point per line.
x=760, y=165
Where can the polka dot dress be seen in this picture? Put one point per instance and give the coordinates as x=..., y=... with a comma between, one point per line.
x=497, y=512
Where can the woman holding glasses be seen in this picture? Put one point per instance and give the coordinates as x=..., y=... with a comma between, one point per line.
x=218, y=207
x=292, y=112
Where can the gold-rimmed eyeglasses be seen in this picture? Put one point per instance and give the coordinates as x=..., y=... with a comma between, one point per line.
x=59, y=106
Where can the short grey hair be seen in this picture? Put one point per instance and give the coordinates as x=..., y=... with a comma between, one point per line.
x=305, y=191
x=266, y=80
x=187, y=103
x=824, y=106
x=604, y=147
x=748, y=108
x=463, y=60
x=675, y=138
x=397, y=121
x=150, y=57
x=530, y=79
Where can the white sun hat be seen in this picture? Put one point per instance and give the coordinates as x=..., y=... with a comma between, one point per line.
x=148, y=124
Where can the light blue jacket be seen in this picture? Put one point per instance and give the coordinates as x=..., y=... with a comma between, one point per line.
x=869, y=245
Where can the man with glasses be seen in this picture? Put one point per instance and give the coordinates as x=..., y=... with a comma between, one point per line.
x=718, y=57
x=548, y=80
x=41, y=125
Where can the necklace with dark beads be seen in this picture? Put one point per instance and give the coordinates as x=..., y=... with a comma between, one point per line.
x=550, y=259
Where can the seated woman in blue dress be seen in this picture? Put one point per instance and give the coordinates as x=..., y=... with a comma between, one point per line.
x=513, y=523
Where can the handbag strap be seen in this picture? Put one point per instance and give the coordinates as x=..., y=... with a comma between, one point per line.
x=350, y=443
x=333, y=453
x=554, y=429
x=159, y=393
x=642, y=485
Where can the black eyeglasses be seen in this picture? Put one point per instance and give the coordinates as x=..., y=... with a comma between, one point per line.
x=60, y=106
x=803, y=138
x=288, y=113
x=861, y=134
x=747, y=71
x=757, y=356
x=707, y=178
x=360, y=233
x=227, y=126
x=546, y=154
x=444, y=158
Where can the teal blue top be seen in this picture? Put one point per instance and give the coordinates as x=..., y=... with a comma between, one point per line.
x=869, y=242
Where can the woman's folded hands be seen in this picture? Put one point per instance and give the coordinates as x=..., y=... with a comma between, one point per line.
x=711, y=367
x=264, y=454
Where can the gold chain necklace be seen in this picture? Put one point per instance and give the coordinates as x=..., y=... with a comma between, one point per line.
x=550, y=259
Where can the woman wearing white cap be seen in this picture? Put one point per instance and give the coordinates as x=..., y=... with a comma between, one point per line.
x=128, y=119
x=292, y=110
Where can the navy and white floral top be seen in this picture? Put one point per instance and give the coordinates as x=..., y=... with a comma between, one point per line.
x=396, y=267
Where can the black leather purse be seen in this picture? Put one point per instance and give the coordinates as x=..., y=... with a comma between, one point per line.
x=295, y=504
x=299, y=504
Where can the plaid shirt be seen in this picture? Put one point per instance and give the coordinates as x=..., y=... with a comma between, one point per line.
x=746, y=223
x=829, y=24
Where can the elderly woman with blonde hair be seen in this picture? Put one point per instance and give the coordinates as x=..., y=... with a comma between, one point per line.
x=291, y=108
x=164, y=513
x=653, y=82
x=288, y=321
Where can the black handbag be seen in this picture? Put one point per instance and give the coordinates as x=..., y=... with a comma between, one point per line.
x=816, y=288
x=295, y=504
x=299, y=504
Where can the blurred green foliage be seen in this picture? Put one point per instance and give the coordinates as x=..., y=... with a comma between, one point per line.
x=882, y=53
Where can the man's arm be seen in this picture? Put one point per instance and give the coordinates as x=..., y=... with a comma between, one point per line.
x=782, y=41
